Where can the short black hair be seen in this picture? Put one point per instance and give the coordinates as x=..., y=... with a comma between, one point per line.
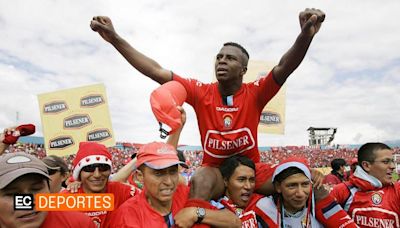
x=227, y=168
x=244, y=51
x=287, y=173
x=337, y=163
x=367, y=151
x=55, y=162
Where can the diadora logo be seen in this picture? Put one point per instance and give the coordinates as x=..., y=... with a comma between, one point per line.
x=225, y=109
x=77, y=121
x=92, y=100
x=55, y=107
x=98, y=135
x=61, y=142
x=270, y=118
x=228, y=143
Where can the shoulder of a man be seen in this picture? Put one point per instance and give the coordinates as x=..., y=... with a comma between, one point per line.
x=132, y=213
x=67, y=219
x=341, y=191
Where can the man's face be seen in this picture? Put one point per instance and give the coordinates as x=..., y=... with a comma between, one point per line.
x=27, y=184
x=160, y=184
x=94, y=178
x=240, y=185
x=229, y=64
x=382, y=167
x=295, y=190
x=56, y=180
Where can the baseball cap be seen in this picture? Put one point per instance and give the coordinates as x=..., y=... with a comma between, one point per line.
x=14, y=165
x=163, y=102
x=158, y=155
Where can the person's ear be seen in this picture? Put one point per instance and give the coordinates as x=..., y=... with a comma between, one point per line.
x=244, y=70
x=366, y=165
x=278, y=187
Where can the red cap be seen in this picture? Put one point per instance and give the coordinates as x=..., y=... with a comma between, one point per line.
x=24, y=130
x=163, y=102
x=158, y=155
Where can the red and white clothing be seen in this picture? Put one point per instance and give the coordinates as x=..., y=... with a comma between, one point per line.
x=67, y=219
x=122, y=193
x=367, y=202
x=137, y=212
x=229, y=127
x=246, y=215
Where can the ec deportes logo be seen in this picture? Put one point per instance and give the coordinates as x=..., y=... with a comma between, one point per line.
x=64, y=202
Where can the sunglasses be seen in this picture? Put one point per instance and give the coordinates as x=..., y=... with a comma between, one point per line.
x=92, y=168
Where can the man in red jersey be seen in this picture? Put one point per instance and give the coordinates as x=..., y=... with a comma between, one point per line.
x=370, y=197
x=92, y=167
x=228, y=111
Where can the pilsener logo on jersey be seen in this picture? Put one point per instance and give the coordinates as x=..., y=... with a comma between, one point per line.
x=228, y=143
x=375, y=217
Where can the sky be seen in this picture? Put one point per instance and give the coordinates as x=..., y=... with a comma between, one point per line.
x=349, y=79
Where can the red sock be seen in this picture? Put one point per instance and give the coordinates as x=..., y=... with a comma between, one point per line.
x=24, y=130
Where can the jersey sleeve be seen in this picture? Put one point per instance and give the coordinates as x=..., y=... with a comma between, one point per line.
x=267, y=88
x=190, y=86
x=340, y=193
x=330, y=214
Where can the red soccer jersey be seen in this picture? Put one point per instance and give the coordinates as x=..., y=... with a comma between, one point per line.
x=367, y=205
x=228, y=126
x=122, y=192
x=67, y=219
x=137, y=212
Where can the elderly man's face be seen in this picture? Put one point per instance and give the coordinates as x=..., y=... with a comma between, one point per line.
x=160, y=184
x=26, y=184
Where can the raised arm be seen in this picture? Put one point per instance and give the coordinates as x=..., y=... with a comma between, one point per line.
x=310, y=22
x=173, y=139
x=147, y=66
x=8, y=131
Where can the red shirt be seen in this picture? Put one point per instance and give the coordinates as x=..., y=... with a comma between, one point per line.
x=122, y=192
x=367, y=205
x=231, y=128
x=247, y=216
x=67, y=219
x=137, y=212
x=332, y=179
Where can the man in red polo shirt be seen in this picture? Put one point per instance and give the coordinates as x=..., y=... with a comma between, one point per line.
x=228, y=111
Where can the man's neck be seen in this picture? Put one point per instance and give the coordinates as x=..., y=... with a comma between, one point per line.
x=164, y=208
x=228, y=89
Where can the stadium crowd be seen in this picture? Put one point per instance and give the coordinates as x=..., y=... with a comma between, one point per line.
x=121, y=154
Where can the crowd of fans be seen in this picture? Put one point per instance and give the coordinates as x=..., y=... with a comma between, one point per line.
x=121, y=154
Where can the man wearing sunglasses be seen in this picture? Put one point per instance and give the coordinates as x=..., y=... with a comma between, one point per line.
x=370, y=197
x=92, y=167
